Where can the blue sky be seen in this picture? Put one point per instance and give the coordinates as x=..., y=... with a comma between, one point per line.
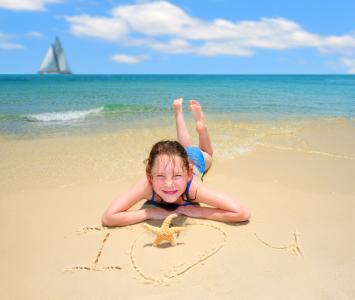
x=181, y=37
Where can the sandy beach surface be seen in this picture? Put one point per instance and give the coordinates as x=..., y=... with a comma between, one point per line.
x=297, y=177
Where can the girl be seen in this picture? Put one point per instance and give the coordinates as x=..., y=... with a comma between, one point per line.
x=173, y=181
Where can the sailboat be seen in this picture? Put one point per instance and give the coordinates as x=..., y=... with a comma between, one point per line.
x=55, y=61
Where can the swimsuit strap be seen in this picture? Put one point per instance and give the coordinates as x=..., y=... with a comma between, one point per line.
x=187, y=190
x=188, y=186
x=153, y=198
x=186, y=193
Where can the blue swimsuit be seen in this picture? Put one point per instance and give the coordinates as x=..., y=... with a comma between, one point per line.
x=196, y=156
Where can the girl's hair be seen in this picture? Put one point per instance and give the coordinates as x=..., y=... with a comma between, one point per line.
x=170, y=148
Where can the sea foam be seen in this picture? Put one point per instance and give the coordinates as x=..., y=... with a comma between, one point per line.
x=65, y=116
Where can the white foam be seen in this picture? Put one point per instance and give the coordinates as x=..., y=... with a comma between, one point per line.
x=243, y=150
x=65, y=116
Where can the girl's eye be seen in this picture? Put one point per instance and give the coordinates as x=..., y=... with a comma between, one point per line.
x=160, y=176
x=178, y=176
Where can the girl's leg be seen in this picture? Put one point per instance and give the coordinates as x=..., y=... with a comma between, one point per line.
x=204, y=139
x=183, y=135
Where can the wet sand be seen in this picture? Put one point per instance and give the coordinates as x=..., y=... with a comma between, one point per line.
x=296, y=176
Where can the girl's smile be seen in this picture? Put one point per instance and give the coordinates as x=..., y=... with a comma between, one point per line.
x=170, y=192
x=169, y=178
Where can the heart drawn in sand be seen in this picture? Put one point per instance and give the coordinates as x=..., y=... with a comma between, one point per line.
x=161, y=264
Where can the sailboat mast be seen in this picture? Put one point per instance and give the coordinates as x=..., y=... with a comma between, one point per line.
x=55, y=56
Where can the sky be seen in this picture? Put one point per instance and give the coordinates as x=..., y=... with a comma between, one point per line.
x=181, y=36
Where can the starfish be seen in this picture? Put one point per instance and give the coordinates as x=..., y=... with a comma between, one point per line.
x=165, y=233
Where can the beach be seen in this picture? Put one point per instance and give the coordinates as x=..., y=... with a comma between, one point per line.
x=295, y=175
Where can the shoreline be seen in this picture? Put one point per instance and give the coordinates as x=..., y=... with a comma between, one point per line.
x=77, y=128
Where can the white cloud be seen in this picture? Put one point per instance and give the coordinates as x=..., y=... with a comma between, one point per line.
x=156, y=18
x=10, y=46
x=29, y=5
x=128, y=59
x=172, y=46
x=165, y=27
x=349, y=63
x=4, y=44
x=104, y=28
x=226, y=48
x=34, y=34
x=344, y=44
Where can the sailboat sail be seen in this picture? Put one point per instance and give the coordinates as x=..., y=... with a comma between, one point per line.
x=48, y=64
x=55, y=61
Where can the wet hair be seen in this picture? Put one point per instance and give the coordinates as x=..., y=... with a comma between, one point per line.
x=169, y=148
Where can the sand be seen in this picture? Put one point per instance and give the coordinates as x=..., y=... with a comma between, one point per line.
x=297, y=177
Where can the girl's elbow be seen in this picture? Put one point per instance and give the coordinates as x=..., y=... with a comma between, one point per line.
x=242, y=215
x=112, y=220
x=107, y=220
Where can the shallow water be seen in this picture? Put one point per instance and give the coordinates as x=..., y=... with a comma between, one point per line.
x=64, y=104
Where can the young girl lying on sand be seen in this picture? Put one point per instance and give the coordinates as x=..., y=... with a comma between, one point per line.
x=173, y=181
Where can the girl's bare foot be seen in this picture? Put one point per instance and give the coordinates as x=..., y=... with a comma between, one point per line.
x=196, y=109
x=177, y=105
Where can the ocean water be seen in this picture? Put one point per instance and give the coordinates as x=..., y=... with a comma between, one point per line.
x=34, y=105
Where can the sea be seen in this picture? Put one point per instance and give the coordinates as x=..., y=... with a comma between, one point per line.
x=37, y=105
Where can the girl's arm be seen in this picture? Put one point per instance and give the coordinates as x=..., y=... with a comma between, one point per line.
x=225, y=208
x=117, y=215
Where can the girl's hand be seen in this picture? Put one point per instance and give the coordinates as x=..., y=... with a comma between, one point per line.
x=190, y=211
x=159, y=213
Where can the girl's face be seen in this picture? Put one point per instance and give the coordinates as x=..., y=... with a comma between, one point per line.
x=169, y=177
